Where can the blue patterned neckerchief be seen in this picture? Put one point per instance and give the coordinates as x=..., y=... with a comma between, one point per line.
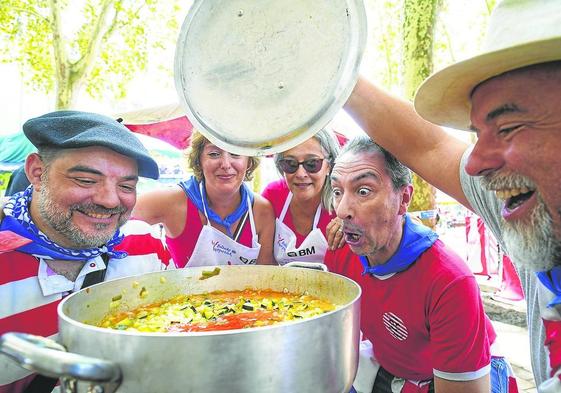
x=18, y=220
x=416, y=239
x=193, y=189
x=552, y=281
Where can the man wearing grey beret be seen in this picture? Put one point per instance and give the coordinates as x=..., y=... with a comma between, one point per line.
x=66, y=230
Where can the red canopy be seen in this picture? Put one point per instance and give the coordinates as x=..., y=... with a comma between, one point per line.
x=170, y=124
x=167, y=123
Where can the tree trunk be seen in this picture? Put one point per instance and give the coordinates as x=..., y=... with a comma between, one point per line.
x=418, y=36
x=70, y=76
x=66, y=91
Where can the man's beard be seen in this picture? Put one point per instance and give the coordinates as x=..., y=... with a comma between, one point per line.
x=530, y=243
x=533, y=244
x=61, y=221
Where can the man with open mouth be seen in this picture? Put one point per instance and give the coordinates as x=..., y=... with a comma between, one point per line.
x=420, y=308
x=510, y=96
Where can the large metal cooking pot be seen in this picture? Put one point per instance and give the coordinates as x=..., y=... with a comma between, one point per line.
x=314, y=355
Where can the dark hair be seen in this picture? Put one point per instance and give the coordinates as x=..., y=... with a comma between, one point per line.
x=198, y=142
x=400, y=175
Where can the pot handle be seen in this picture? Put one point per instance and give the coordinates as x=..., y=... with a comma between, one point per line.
x=308, y=265
x=46, y=357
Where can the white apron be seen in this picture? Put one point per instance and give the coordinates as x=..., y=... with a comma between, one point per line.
x=312, y=249
x=216, y=248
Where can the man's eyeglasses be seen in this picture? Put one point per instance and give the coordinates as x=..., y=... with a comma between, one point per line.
x=290, y=165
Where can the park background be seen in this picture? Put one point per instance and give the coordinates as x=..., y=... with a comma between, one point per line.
x=116, y=57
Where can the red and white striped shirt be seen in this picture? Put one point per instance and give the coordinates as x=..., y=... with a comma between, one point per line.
x=30, y=291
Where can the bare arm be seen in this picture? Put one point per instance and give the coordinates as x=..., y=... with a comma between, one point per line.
x=265, y=223
x=167, y=206
x=480, y=385
x=424, y=147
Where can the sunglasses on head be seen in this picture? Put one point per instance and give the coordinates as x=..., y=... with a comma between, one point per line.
x=290, y=165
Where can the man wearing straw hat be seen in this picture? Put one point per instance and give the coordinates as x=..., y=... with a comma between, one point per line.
x=510, y=96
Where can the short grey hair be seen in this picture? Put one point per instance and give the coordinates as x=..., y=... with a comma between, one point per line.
x=49, y=153
x=399, y=174
x=330, y=146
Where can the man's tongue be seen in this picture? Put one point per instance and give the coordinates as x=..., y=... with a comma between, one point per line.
x=352, y=237
x=516, y=201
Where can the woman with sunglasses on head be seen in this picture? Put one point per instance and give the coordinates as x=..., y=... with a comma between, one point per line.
x=213, y=218
x=302, y=201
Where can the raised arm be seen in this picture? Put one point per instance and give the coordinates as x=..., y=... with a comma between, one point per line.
x=424, y=147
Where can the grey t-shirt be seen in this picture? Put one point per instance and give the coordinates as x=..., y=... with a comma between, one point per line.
x=488, y=207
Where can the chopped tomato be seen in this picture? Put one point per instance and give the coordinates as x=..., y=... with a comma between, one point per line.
x=217, y=311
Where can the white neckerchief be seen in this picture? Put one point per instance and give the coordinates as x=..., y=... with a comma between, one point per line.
x=57, y=283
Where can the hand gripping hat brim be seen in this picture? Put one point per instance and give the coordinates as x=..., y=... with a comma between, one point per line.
x=74, y=129
x=521, y=33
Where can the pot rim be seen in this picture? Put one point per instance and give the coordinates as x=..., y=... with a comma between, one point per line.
x=95, y=329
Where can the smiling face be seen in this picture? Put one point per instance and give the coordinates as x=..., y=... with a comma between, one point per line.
x=83, y=196
x=306, y=186
x=517, y=117
x=223, y=172
x=371, y=208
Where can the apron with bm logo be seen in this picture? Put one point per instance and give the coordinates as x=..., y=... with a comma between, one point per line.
x=312, y=249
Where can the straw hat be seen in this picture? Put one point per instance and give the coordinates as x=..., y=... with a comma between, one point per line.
x=521, y=33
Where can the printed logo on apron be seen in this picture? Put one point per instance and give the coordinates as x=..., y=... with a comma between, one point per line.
x=281, y=242
x=302, y=253
x=216, y=248
x=248, y=261
x=312, y=249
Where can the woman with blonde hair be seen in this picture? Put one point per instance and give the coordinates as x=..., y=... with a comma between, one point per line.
x=213, y=218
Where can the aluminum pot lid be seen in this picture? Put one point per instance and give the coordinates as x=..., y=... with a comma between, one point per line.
x=260, y=77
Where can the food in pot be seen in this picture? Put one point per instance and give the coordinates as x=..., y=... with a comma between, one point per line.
x=219, y=310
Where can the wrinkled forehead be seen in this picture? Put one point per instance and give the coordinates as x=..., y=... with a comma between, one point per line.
x=364, y=157
x=531, y=91
x=355, y=164
x=543, y=72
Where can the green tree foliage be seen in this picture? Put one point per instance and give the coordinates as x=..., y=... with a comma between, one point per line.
x=490, y=5
x=388, y=46
x=69, y=45
x=418, y=37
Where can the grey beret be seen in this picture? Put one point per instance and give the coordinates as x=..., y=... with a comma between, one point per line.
x=73, y=129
